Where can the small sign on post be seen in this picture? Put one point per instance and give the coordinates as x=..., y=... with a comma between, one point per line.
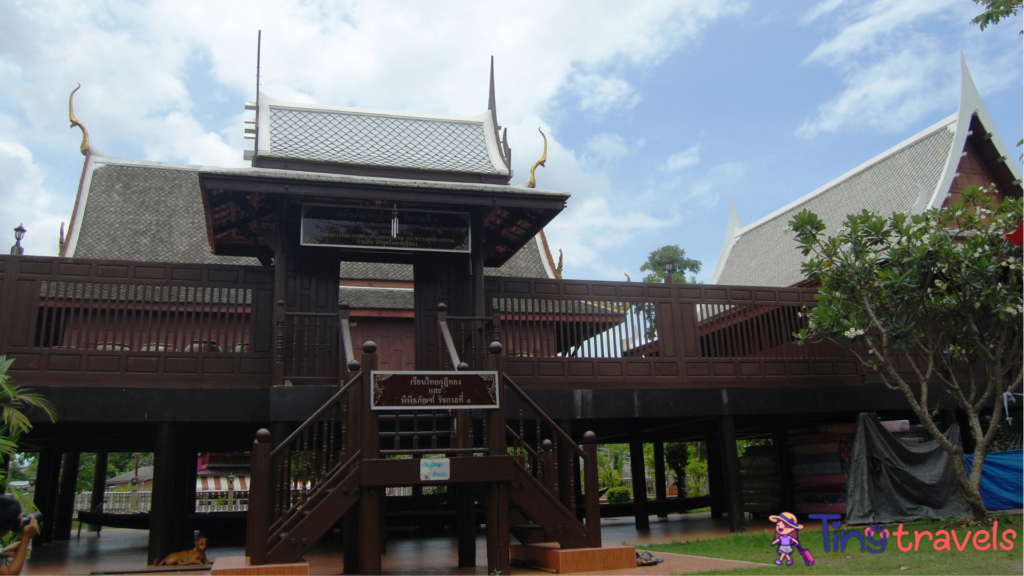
x=435, y=469
x=412, y=390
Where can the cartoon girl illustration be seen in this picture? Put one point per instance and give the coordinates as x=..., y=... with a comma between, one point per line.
x=786, y=531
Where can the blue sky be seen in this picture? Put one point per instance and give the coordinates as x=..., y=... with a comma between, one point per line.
x=657, y=113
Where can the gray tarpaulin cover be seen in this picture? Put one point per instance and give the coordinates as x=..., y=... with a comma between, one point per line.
x=890, y=480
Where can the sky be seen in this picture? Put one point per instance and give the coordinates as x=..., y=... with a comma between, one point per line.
x=657, y=113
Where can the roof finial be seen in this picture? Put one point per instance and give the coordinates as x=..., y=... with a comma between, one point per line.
x=491, y=104
x=74, y=122
x=543, y=159
x=558, y=269
x=60, y=241
x=628, y=279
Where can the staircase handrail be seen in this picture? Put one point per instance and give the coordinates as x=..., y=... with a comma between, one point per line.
x=540, y=414
x=346, y=337
x=315, y=417
x=446, y=335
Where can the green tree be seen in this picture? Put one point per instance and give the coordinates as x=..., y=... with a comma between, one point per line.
x=996, y=11
x=14, y=422
x=942, y=292
x=677, y=456
x=679, y=265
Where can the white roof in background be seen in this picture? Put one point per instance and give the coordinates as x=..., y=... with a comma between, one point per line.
x=379, y=138
x=909, y=178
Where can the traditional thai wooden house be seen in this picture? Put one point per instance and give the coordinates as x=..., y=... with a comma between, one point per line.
x=193, y=306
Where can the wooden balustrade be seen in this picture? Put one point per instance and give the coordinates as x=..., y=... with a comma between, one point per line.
x=589, y=334
x=82, y=322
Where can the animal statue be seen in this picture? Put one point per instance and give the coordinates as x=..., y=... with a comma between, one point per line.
x=187, y=557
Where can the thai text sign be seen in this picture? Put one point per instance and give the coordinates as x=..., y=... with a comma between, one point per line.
x=433, y=390
x=384, y=228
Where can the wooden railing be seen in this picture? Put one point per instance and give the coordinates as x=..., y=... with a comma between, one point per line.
x=86, y=322
x=588, y=334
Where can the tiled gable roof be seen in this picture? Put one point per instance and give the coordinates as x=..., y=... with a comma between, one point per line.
x=378, y=138
x=765, y=253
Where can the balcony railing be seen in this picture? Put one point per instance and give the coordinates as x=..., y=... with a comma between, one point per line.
x=587, y=334
x=84, y=322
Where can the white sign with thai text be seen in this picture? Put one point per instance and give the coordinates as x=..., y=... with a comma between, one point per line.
x=435, y=469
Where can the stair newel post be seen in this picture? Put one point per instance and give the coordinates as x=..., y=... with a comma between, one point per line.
x=593, y=505
x=370, y=501
x=497, y=492
x=547, y=466
x=259, y=500
x=350, y=439
x=496, y=435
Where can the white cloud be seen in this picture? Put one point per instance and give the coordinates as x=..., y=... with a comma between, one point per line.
x=706, y=191
x=607, y=146
x=682, y=159
x=896, y=71
x=26, y=201
x=600, y=94
x=821, y=9
x=892, y=93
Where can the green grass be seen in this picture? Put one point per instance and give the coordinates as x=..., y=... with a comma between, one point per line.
x=753, y=546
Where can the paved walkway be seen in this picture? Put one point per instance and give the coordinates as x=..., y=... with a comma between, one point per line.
x=409, y=552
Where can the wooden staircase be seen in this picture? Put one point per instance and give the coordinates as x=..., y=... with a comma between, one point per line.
x=335, y=466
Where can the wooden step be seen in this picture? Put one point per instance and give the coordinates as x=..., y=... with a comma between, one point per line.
x=551, y=558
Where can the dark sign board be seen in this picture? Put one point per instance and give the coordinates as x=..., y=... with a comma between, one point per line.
x=433, y=390
x=384, y=228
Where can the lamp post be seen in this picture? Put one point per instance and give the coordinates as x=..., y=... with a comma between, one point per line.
x=231, y=492
x=19, y=233
x=133, y=504
x=670, y=268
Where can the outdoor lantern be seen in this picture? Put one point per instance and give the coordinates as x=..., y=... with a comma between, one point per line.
x=19, y=233
x=231, y=481
x=670, y=267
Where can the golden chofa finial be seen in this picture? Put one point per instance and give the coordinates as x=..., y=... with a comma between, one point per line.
x=543, y=159
x=74, y=122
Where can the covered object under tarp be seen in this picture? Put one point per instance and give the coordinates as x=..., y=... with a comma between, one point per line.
x=891, y=480
x=1002, y=479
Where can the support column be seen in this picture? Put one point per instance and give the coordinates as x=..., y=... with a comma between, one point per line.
x=370, y=504
x=731, y=462
x=660, y=493
x=165, y=523
x=465, y=520
x=716, y=479
x=498, y=560
x=66, y=497
x=636, y=465
x=47, y=484
x=787, y=485
x=99, y=488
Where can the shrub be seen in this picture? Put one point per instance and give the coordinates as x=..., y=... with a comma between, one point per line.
x=619, y=494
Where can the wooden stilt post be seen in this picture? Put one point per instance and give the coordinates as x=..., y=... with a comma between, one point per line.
x=716, y=479
x=353, y=442
x=636, y=464
x=660, y=492
x=164, y=521
x=65, y=510
x=731, y=462
x=99, y=487
x=48, y=460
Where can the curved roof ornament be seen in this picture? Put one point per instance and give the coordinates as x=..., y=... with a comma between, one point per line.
x=74, y=122
x=543, y=159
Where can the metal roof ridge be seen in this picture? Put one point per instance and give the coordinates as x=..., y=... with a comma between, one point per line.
x=472, y=119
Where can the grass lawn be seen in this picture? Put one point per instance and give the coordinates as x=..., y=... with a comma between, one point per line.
x=753, y=546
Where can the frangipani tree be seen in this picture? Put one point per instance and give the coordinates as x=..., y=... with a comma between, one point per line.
x=942, y=292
